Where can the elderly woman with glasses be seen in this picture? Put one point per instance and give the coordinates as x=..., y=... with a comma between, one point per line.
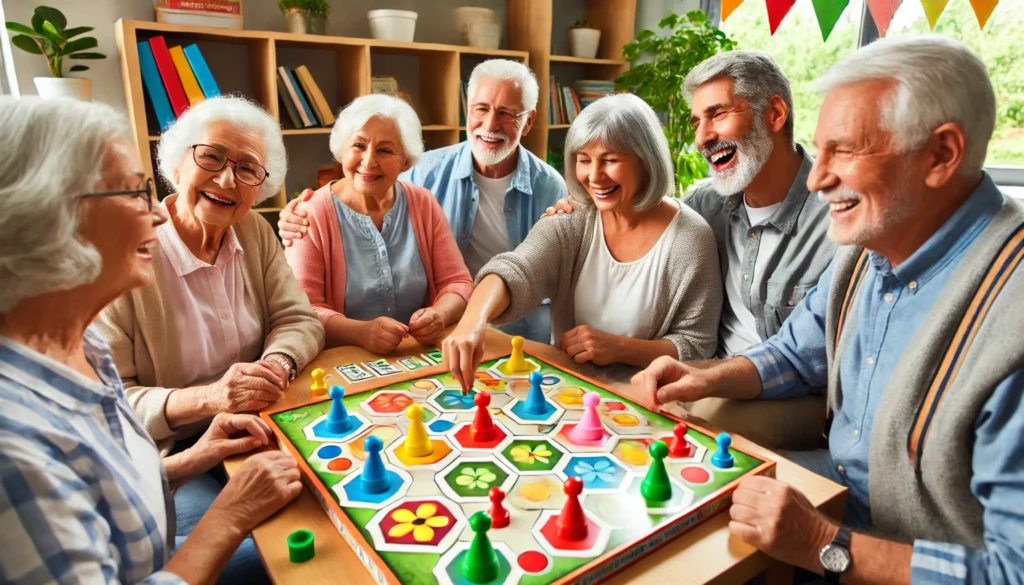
x=379, y=261
x=631, y=277
x=223, y=326
x=84, y=492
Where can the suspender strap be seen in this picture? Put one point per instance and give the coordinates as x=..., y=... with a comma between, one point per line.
x=851, y=293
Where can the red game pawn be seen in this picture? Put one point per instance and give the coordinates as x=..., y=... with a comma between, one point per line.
x=572, y=524
x=499, y=515
x=680, y=448
x=482, y=429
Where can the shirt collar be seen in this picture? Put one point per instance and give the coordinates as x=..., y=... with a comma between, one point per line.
x=181, y=258
x=785, y=217
x=949, y=241
x=521, y=177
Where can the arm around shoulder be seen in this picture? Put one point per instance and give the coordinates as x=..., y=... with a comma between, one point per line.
x=694, y=288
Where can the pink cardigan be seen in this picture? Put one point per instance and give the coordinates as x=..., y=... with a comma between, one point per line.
x=318, y=259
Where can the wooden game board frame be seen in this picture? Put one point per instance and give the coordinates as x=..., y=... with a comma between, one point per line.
x=596, y=570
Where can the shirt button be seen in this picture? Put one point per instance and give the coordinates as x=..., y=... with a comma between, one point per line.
x=912, y=285
x=753, y=234
x=841, y=469
x=856, y=432
x=870, y=361
x=791, y=302
x=888, y=297
x=509, y=210
x=746, y=277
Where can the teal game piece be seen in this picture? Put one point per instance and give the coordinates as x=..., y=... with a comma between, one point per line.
x=656, y=486
x=338, y=419
x=374, y=479
x=300, y=546
x=480, y=565
x=721, y=458
x=536, y=404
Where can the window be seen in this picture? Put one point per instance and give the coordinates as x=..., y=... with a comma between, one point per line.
x=8, y=83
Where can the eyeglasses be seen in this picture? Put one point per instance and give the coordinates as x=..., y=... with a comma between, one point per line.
x=145, y=193
x=210, y=159
x=505, y=115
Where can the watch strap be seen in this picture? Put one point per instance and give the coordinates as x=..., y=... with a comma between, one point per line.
x=842, y=539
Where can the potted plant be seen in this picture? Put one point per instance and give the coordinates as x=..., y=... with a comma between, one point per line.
x=689, y=41
x=583, y=40
x=305, y=16
x=50, y=37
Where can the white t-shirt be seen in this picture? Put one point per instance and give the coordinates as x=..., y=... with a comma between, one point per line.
x=146, y=460
x=618, y=297
x=739, y=328
x=490, y=232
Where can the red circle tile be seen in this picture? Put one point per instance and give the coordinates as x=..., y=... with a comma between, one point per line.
x=695, y=474
x=340, y=464
x=533, y=561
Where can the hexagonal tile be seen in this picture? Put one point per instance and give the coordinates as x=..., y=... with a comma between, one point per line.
x=350, y=492
x=533, y=455
x=317, y=430
x=628, y=423
x=603, y=446
x=469, y=479
x=537, y=492
x=546, y=533
x=619, y=510
x=443, y=453
x=449, y=400
x=388, y=403
x=682, y=497
x=632, y=451
x=336, y=459
x=500, y=369
x=569, y=397
x=460, y=435
x=425, y=386
x=419, y=525
x=600, y=473
x=516, y=410
x=448, y=570
x=387, y=433
x=484, y=380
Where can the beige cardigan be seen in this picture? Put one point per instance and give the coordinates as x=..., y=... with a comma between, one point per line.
x=145, y=341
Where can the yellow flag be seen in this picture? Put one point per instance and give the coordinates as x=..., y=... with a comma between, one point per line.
x=933, y=10
x=728, y=6
x=982, y=9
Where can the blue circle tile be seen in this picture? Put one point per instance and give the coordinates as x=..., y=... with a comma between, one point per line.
x=328, y=452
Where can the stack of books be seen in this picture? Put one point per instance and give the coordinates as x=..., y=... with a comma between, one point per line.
x=217, y=13
x=302, y=99
x=563, y=104
x=174, y=78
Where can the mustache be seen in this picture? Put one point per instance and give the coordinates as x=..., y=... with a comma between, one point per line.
x=839, y=193
x=713, y=147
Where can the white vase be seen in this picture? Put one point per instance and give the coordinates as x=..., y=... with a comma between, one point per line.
x=583, y=42
x=392, y=25
x=486, y=35
x=64, y=87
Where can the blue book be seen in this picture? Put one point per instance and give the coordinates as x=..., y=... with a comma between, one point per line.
x=302, y=98
x=201, y=71
x=154, y=87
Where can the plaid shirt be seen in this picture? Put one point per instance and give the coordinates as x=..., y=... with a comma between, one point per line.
x=71, y=505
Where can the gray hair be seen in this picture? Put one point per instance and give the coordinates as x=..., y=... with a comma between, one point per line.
x=756, y=78
x=238, y=112
x=52, y=151
x=623, y=123
x=355, y=115
x=507, y=70
x=936, y=80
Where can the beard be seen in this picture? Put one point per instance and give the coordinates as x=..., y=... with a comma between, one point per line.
x=487, y=157
x=751, y=154
x=898, y=210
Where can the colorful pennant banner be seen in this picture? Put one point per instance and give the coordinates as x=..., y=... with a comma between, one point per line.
x=933, y=10
x=983, y=9
x=728, y=6
x=828, y=13
x=883, y=11
x=777, y=10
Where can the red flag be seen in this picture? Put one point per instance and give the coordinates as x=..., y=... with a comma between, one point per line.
x=882, y=11
x=777, y=10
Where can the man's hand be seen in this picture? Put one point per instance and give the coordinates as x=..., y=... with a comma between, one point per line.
x=667, y=380
x=780, y=522
x=291, y=222
x=561, y=206
x=586, y=344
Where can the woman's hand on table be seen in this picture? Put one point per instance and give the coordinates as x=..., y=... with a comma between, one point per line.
x=463, y=351
x=291, y=221
x=247, y=387
x=261, y=486
x=426, y=325
x=586, y=344
x=382, y=335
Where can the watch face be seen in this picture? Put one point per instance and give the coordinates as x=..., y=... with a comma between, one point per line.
x=835, y=558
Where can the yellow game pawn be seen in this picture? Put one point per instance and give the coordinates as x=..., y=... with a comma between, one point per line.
x=319, y=385
x=417, y=442
x=516, y=362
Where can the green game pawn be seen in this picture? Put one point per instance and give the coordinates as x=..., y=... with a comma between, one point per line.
x=480, y=564
x=656, y=486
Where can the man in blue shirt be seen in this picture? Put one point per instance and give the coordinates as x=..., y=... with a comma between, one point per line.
x=491, y=188
x=914, y=328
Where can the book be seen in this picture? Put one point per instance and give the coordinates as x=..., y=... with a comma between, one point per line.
x=154, y=87
x=462, y=96
x=286, y=79
x=322, y=109
x=570, y=109
x=192, y=18
x=301, y=97
x=289, y=105
x=169, y=75
x=201, y=71
x=188, y=79
x=222, y=6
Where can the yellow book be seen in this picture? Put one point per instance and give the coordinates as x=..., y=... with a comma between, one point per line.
x=322, y=108
x=188, y=79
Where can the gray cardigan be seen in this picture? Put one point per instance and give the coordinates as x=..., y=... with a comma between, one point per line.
x=548, y=263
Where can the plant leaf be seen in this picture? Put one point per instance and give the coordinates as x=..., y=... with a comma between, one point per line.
x=25, y=43
x=22, y=29
x=56, y=17
x=79, y=45
x=51, y=34
x=87, y=56
x=74, y=32
x=77, y=68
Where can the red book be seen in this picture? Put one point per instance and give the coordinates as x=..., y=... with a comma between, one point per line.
x=222, y=6
x=169, y=75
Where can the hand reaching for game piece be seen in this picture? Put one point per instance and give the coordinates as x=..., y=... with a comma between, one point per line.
x=561, y=206
x=247, y=387
x=586, y=344
x=261, y=486
x=667, y=380
x=426, y=325
x=227, y=435
x=382, y=335
x=463, y=351
x=291, y=222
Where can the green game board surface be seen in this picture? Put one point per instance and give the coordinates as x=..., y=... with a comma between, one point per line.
x=531, y=462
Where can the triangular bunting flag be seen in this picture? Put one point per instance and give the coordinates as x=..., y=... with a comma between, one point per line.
x=728, y=6
x=933, y=10
x=829, y=11
x=777, y=10
x=983, y=9
x=882, y=11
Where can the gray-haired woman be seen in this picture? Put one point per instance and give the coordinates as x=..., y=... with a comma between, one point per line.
x=632, y=275
x=84, y=493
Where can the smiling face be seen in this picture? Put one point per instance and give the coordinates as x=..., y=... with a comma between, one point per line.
x=218, y=198
x=374, y=157
x=612, y=179
x=497, y=121
x=732, y=137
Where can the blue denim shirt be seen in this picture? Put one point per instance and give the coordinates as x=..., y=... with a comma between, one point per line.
x=891, y=307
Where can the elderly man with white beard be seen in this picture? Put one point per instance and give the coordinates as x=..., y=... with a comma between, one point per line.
x=491, y=188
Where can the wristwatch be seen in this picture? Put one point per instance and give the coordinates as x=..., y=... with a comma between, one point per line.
x=835, y=557
x=285, y=362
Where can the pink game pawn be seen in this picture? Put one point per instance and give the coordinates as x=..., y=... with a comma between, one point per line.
x=589, y=429
x=680, y=447
x=572, y=524
x=499, y=515
x=482, y=429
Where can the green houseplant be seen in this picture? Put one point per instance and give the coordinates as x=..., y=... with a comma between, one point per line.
x=50, y=37
x=305, y=16
x=689, y=40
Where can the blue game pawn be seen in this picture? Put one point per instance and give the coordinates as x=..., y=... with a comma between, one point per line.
x=374, y=479
x=721, y=458
x=536, y=403
x=338, y=420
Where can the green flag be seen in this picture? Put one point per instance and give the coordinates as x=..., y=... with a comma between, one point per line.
x=828, y=13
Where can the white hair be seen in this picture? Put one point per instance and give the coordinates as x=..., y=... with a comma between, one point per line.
x=935, y=80
x=507, y=70
x=239, y=112
x=355, y=115
x=623, y=123
x=52, y=151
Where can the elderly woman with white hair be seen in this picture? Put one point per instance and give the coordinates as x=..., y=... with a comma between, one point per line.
x=632, y=275
x=84, y=492
x=379, y=262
